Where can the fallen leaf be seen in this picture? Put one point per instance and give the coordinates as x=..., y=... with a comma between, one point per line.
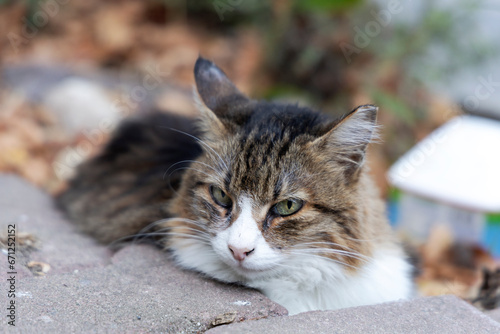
x=225, y=318
x=38, y=268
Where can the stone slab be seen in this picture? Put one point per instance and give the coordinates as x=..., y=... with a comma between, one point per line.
x=58, y=244
x=89, y=289
x=495, y=314
x=444, y=314
x=139, y=289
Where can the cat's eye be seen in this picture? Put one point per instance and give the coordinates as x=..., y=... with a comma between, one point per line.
x=288, y=207
x=220, y=197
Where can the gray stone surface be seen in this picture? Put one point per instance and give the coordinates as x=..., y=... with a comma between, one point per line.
x=445, y=314
x=495, y=314
x=89, y=289
x=141, y=291
x=60, y=246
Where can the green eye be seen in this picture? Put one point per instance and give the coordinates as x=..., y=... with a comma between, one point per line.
x=220, y=197
x=288, y=207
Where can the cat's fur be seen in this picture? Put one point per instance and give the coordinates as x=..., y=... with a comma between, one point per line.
x=336, y=251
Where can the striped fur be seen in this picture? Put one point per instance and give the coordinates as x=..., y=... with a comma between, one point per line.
x=259, y=154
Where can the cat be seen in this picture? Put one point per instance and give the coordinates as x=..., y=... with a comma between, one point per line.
x=273, y=196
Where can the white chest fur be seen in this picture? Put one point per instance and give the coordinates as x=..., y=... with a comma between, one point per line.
x=322, y=285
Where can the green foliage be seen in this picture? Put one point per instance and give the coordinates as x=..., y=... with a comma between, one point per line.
x=444, y=40
x=493, y=218
x=395, y=105
x=229, y=13
x=322, y=5
x=280, y=90
x=394, y=194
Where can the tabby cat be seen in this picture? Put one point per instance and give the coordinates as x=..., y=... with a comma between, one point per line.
x=272, y=196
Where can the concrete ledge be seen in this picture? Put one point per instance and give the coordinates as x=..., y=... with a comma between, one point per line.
x=142, y=292
x=445, y=314
x=494, y=314
x=87, y=288
x=60, y=246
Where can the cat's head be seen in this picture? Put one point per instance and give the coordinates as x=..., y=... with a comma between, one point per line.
x=275, y=182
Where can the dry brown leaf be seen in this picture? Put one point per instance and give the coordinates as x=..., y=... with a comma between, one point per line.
x=25, y=239
x=38, y=268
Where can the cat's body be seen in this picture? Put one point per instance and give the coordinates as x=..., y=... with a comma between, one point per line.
x=272, y=196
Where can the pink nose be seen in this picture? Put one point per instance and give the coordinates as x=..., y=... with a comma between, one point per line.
x=240, y=253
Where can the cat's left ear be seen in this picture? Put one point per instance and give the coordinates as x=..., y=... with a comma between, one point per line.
x=217, y=92
x=348, y=139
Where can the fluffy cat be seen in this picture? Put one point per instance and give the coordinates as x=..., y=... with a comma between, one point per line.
x=272, y=196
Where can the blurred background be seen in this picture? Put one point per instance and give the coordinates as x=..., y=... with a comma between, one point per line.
x=70, y=70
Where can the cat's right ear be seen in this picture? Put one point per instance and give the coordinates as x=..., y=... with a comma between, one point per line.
x=215, y=89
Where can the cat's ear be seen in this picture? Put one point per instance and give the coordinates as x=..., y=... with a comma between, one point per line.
x=215, y=89
x=348, y=139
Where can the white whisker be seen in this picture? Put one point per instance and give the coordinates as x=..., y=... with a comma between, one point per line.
x=299, y=253
x=202, y=143
x=143, y=232
x=184, y=235
x=189, y=168
x=187, y=161
x=337, y=252
x=203, y=233
x=349, y=252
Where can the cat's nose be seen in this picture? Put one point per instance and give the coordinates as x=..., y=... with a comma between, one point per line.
x=240, y=253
